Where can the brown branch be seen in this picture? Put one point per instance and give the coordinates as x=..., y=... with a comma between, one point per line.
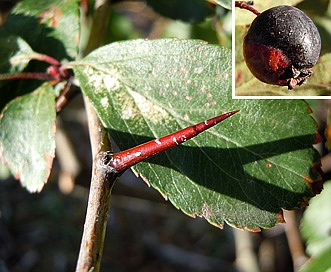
x=28, y=75
x=91, y=248
x=99, y=197
x=294, y=240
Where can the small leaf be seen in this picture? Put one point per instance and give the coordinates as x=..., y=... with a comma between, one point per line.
x=243, y=171
x=14, y=54
x=27, y=143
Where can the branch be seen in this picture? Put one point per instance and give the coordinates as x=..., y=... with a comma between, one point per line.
x=91, y=248
x=294, y=240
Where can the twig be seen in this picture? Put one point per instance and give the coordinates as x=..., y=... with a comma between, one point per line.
x=294, y=241
x=91, y=248
x=27, y=75
x=90, y=253
x=246, y=260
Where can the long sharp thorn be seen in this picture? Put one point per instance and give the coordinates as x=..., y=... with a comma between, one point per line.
x=121, y=161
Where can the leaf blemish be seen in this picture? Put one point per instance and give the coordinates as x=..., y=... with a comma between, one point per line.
x=198, y=70
x=188, y=98
x=104, y=102
x=111, y=83
x=148, y=109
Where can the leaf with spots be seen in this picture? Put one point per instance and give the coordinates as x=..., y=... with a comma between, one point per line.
x=27, y=140
x=244, y=171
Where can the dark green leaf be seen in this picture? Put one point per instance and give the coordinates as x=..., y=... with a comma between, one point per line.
x=49, y=27
x=27, y=144
x=243, y=171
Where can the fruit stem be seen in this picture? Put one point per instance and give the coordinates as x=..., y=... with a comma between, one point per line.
x=247, y=5
x=121, y=161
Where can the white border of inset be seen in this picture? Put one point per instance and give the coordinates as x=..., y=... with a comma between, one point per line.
x=234, y=71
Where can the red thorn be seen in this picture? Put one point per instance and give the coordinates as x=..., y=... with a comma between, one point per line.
x=121, y=161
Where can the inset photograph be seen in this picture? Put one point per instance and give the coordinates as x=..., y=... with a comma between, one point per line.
x=282, y=49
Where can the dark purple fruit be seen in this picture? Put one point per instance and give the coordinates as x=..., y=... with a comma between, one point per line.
x=281, y=46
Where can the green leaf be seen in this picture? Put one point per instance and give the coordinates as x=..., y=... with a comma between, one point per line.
x=320, y=263
x=243, y=171
x=50, y=27
x=192, y=11
x=315, y=229
x=14, y=54
x=27, y=143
